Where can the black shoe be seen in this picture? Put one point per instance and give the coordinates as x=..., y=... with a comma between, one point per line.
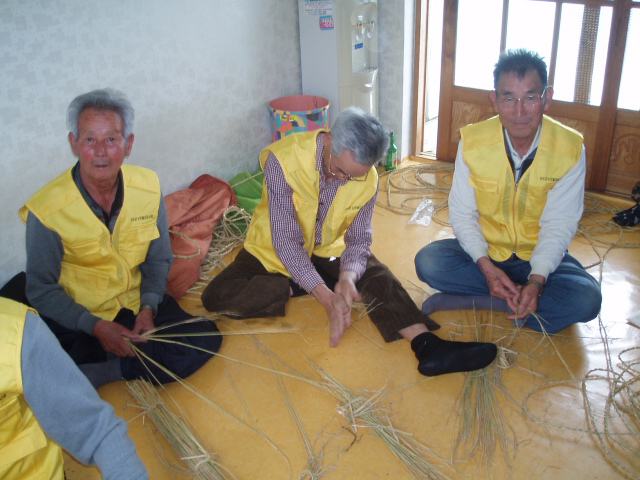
x=629, y=217
x=438, y=357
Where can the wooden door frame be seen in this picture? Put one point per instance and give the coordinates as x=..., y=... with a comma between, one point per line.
x=420, y=74
x=609, y=104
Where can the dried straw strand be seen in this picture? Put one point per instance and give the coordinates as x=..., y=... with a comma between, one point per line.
x=314, y=468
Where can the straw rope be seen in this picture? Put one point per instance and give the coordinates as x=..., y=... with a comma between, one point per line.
x=407, y=186
x=410, y=181
x=251, y=177
x=183, y=235
x=228, y=234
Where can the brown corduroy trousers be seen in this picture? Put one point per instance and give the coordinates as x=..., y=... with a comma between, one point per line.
x=245, y=289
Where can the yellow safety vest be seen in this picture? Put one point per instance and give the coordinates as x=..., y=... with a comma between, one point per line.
x=509, y=213
x=297, y=156
x=25, y=450
x=99, y=269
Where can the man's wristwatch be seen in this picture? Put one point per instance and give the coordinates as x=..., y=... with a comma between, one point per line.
x=538, y=284
x=153, y=312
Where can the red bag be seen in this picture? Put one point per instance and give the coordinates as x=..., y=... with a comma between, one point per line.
x=194, y=212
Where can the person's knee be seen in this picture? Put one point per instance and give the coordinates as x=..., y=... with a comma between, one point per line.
x=428, y=262
x=592, y=303
x=217, y=296
x=210, y=341
x=192, y=359
x=582, y=308
x=210, y=298
x=423, y=263
x=587, y=299
x=204, y=337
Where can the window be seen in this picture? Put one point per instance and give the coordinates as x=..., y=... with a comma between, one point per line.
x=590, y=47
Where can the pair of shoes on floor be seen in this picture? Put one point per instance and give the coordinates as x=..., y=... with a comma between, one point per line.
x=438, y=356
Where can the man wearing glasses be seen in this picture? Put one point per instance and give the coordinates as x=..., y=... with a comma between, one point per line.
x=312, y=233
x=515, y=203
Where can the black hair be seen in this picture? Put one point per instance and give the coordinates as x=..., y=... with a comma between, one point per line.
x=520, y=61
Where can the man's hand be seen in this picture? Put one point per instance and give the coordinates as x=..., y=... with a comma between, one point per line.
x=338, y=310
x=528, y=302
x=144, y=323
x=346, y=287
x=500, y=285
x=111, y=336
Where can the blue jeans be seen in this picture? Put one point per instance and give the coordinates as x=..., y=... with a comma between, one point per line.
x=570, y=295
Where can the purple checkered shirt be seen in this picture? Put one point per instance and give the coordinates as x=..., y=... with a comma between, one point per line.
x=288, y=241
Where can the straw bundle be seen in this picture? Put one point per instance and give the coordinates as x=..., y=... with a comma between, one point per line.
x=200, y=463
x=481, y=423
x=361, y=411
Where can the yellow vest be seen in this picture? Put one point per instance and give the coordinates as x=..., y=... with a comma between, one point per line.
x=509, y=213
x=99, y=269
x=25, y=450
x=297, y=156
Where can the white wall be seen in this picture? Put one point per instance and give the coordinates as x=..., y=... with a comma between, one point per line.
x=199, y=73
x=395, y=56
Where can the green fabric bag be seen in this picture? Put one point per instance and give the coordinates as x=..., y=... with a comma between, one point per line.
x=248, y=190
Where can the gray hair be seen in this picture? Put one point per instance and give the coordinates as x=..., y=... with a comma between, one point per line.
x=105, y=99
x=360, y=133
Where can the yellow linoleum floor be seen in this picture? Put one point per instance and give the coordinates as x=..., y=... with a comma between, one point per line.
x=248, y=425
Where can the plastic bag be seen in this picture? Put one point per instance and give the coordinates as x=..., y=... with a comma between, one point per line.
x=423, y=214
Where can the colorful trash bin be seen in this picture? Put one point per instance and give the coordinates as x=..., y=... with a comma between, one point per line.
x=298, y=113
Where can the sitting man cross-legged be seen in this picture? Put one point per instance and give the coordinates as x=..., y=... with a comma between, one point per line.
x=98, y=254
x=515, y=203
x=312, y=233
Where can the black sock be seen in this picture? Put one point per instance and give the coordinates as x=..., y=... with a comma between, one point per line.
x=438, y=356
x=421, y=343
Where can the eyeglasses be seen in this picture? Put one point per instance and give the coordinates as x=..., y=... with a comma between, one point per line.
x=531, y=100
x=350, y=178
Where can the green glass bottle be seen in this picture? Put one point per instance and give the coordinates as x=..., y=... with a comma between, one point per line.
x=391, y=155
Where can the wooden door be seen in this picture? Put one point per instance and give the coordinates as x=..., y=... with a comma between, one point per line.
x=612, y=134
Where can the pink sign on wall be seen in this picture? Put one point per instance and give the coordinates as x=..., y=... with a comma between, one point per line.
x=326, y=22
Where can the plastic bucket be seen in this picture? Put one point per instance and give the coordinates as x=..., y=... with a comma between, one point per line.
x=297, y=113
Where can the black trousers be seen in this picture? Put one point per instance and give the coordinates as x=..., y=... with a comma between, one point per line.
x=245, y=289
x=179, y=359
